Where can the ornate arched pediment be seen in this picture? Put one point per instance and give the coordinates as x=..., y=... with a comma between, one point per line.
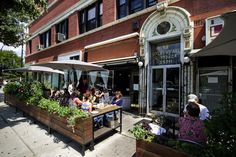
x=172, y=21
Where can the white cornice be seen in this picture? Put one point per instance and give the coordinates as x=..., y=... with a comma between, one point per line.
x=120, y=38
x=78, y=6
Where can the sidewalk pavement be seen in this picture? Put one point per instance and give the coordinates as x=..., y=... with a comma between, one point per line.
x=19, y=137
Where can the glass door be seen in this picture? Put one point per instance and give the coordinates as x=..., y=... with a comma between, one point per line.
x=172, y=90
x=165, y=90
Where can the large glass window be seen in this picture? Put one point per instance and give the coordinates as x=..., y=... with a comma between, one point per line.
x=45, y=39
x=62, y=29
x=126, y=7
x=91, y=17
x=165, y=53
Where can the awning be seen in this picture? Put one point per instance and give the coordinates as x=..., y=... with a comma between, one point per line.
x=36, y=69
x=225, y=43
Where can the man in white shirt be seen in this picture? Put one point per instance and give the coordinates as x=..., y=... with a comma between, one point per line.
x=204, y=112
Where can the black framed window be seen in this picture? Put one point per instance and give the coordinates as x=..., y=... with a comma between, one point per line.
x=122, y=8
x=91, y=17
x=62, y=28
x=91, y=20
x=136, y=5
x=82, y=26
x=45, y=39
x=126, y=7
x=151, y=2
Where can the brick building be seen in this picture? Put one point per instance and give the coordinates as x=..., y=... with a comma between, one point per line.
x=145, y=44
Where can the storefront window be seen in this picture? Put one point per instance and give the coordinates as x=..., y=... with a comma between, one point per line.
x=165, y=53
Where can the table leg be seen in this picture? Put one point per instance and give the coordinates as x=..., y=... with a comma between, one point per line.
x=83, y=150
x=120, y=121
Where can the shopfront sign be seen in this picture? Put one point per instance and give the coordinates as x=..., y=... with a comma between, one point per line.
x=214, y=26
x=165, y=54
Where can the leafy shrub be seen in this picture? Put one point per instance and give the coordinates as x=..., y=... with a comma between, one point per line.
x=221, y=129
x=64, y=111
x=44, y=103
x=141, y=133
x=36, y=90
x=75, y=114
x=11, y=88
x=53, y=106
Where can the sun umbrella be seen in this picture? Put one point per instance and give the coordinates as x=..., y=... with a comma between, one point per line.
x=36, y=69
x=72, y=64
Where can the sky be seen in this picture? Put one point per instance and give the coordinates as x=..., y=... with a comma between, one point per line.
x=17, y=49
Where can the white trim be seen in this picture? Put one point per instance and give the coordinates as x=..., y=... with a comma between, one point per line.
x=120, y=38
x=66, y=14
x=78, y=6
x=51, y=4
x=116, y=59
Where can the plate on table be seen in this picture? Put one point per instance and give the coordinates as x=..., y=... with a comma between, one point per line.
x=94, y=112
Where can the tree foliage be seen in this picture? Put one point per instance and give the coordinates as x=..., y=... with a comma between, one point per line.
x=13, y=13
x=221, y=129
x=9, y=60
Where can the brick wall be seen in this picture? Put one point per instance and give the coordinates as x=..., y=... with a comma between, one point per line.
x=199, y=10
x=59, y=7
x=109, y=11
x=73, y=25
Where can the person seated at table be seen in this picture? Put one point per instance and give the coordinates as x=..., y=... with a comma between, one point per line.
x=55, y=94
x=64, y=100
x=191, y=127
x=86, y=105
x=88, y=94
x=118, y=101
x=204, y=112
x=74, y=100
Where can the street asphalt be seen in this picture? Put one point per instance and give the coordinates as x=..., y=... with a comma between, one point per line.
x=20, y=137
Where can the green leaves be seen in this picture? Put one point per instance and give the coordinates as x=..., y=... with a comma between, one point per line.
x=221, y=129
x=33, y=94
x=140, y=133
x=15, y=12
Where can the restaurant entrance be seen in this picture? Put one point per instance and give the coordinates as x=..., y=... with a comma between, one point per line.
x=165, y=77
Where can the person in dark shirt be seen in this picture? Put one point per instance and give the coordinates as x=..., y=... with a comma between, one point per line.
x=118, y=99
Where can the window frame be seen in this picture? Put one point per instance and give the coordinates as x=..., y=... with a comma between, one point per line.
x=63, y=27
x=46, y=42
x=84, y=24
x=127, y=5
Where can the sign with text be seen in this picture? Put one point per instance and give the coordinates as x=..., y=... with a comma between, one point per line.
x=166, y=53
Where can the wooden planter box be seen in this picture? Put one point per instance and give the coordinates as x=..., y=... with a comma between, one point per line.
x=83, y=130
x=149, y=149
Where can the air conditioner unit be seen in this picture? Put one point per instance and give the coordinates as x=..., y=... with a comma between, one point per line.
x=61, y=37
x=39, y=47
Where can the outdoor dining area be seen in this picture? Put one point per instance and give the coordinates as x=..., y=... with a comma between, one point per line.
x=63, y=96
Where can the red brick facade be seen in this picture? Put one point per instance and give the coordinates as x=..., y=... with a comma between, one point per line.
x=199, y=10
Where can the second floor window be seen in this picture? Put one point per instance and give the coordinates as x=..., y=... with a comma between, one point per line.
x=45, y=39
x=62, y=30
x=126, y=7
x=91, y=17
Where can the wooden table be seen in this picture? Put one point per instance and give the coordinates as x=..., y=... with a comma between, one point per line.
x=104, y=129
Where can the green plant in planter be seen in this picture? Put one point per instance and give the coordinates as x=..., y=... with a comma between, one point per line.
x=142, y=134
x=23, y=91
x=44, y=103
x=11, y=88
x=53, y=106
x=64, y=111
x=75, y=114
x=36, y=90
